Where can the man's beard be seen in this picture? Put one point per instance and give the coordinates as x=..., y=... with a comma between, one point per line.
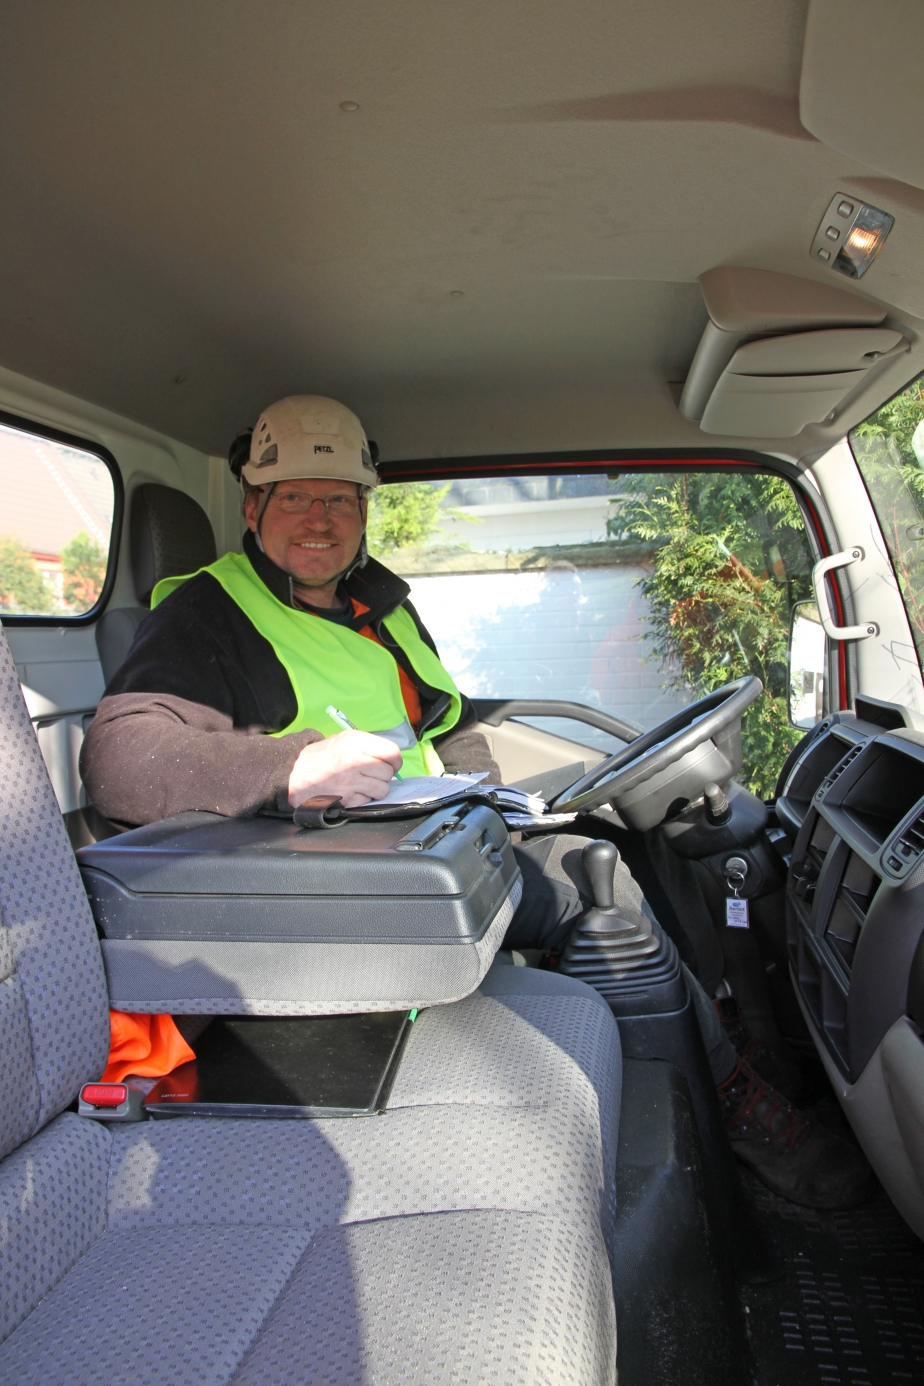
x=312, y=586
x=358, y=560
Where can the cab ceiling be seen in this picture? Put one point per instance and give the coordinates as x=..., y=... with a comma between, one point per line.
x=498, y=251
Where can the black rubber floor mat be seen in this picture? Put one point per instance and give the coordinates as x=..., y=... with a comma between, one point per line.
x=850, y=1311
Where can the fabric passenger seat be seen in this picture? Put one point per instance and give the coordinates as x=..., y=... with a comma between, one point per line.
x=459, y=1237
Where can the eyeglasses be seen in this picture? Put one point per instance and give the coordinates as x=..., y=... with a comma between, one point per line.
x=297, y=503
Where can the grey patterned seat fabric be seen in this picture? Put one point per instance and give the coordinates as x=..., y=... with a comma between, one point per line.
x=170, y=534
x=462, y=1236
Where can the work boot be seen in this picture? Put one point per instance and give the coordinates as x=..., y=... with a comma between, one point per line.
x=793, y=1156
x=781, y=1073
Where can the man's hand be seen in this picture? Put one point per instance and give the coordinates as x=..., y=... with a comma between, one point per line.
x=356, y=766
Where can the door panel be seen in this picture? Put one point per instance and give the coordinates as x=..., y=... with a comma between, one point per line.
x=62, y=682
x=523, y=751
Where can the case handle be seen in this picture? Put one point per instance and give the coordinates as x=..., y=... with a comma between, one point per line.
x=827, y=565
x=323, y=811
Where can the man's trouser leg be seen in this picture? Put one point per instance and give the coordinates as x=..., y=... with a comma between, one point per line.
x=556, y=892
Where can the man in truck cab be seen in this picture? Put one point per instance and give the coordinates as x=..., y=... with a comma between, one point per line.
x=299, y=667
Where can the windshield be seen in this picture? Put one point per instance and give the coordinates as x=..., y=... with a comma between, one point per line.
x=889, y=451
x=632, y=593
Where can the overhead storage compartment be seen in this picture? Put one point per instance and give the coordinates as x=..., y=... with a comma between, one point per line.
x=774, y=406
x=755, y=374
x=815, y=353
x=773, y=387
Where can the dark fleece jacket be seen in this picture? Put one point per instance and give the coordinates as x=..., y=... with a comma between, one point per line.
x=182, y=724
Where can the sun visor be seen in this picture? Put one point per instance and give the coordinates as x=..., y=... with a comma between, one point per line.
x=779, y=352
x=815, y=353
x=861, y=91
x=773, y=387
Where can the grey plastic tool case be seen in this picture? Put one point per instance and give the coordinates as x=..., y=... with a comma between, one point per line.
x=200, y=914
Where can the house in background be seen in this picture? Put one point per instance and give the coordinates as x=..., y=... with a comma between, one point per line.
x=528, y=512
x=51, y=494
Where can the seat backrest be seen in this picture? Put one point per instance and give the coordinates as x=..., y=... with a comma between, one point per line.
x=115, y=633
x=169, y=534
x=54, y=1009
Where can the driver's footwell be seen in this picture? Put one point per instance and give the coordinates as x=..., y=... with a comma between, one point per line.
x=850, y=1310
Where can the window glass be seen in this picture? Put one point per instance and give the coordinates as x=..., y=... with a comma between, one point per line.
x=55, y=526
x=889, y=450
x=631, y=593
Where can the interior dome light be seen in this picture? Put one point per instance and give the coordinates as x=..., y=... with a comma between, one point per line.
x=850, y=235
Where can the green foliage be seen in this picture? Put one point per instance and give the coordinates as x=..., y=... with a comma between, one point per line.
x=730, y=557
x=405, y=515
x=23, y=589
x=895, y=422
x=895, y=480
x=84, y=563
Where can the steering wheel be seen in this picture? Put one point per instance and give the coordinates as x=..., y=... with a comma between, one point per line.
x=657, y=750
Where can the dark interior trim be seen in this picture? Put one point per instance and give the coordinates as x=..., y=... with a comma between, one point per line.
x=495, y=711
x=592, y=459
x=73, y=440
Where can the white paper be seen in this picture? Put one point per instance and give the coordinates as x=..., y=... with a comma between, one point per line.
x=537, y=820
x=427, y=789
x=517, y=799
x=519, y=809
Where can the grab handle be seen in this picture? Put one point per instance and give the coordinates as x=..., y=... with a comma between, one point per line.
x=827, y=565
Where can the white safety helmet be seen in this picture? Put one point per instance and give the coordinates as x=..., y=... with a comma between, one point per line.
x=309, y=436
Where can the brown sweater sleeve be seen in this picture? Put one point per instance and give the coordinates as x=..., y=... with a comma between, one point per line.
x=466, y=752
x=149, y=755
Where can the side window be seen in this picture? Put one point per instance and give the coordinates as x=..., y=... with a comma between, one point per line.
x=631, y=593
x=56, y=523
x=889, y=451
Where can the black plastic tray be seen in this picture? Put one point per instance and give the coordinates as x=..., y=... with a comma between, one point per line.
x=293, y=1067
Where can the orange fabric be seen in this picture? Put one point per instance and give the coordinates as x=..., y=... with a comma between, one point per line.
x=408, y=687
x=149, y=1046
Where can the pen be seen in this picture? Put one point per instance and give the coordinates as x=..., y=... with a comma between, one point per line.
x=335, y=714
x=340, y=718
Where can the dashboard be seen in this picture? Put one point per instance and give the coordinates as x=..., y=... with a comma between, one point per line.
x=853, y=807
x=855, y=893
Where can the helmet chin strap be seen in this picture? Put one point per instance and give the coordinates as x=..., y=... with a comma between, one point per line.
x=360, y=561
x=263, y=503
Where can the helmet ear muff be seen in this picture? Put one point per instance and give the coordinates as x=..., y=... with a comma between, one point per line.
x=239, y=452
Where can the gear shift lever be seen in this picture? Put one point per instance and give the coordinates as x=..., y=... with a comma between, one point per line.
x=600, y=859
x=609, y=938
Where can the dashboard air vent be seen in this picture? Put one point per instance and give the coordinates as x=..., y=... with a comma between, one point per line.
x=913, y=837
x=905, y=850
x=836, y=773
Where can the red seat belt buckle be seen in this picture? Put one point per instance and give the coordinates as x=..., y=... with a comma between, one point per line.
x=110, y=1102
x=104, y=1094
